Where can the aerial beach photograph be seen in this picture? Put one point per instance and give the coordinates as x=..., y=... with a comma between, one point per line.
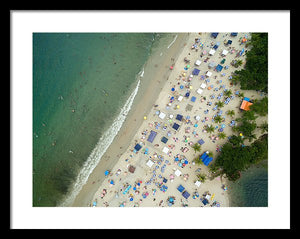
x=150, y=119
x=179, y=120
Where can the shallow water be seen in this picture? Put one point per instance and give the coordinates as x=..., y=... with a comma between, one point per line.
x=80, y=83
x=251, y=190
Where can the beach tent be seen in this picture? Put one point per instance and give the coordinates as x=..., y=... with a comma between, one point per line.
x=201, y=141
x=149, y=163
x=214, y=34
x=196, y=72
x=229, y=42
x=205, y=201
x=176, y=126
x=208, y=73
x=162, y=115
x=217, y=45
x=193, y=99
x=212, y=52
x=164, y=139
x=152, y=136
x=245, y=104
x=203, y=85
x=185, y=194
x=205, y=159
x=211, y=64
x=179, y=117
x=165, y=150
x=219, y=68
x=234, y=34
x=199, y=91
x=137, y=147
x=198, y=183
x=180, y=98
x=177, y=172
x=197, y=63
x=180, y=188
x=224, y=52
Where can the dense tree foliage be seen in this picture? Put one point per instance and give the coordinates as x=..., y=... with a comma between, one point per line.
x=260, y=107
x=236, y=157
x=255, y=74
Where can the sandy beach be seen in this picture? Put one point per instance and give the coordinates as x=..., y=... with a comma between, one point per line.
x=151, y=175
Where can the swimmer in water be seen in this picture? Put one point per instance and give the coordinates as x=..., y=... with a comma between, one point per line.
x=106, y=94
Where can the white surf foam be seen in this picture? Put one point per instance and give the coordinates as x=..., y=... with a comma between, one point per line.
x=101, y=147
x=142, y=73
x=172, y=41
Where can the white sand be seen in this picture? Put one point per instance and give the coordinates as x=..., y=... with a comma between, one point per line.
x=115, y=197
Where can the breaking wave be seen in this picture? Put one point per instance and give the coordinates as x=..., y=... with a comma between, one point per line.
x=101, y=147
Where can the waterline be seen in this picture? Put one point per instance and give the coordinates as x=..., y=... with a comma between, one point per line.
x=101, y=147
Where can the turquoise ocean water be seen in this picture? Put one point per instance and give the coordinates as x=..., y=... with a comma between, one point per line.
x=82, y=82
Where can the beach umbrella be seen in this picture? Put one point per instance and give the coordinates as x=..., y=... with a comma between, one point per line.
x=106, y=172
x=181, y=86
x=173, y=89
x=145, y=117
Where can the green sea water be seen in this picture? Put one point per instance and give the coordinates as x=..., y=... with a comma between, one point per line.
x=251, y=190
x=80, y=83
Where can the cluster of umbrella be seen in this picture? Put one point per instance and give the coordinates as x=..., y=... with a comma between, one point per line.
x=181, y=161
x=171, y=200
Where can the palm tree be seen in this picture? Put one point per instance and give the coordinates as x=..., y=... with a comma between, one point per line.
x=210, y=129
x=234, y=79
x=196, y=147
x=201, y=177
x=238, y=63
x=218, y=119
x=222, y=135
x=241, y=94
x=263, y=127
x=228, y=93
x=198, y=160
x=220, y=104
x=231, y=113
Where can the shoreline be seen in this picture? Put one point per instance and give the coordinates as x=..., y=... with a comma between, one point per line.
x=119, y=159
x=144, y=97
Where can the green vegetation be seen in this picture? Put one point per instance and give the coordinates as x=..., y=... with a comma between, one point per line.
x=210, y=129
x=255, y=74
x=201, y=177
x=231, y=113
x=260, y=107
x=220, y=104
x=236, y=157
x=196, y=147
x=218, y=119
